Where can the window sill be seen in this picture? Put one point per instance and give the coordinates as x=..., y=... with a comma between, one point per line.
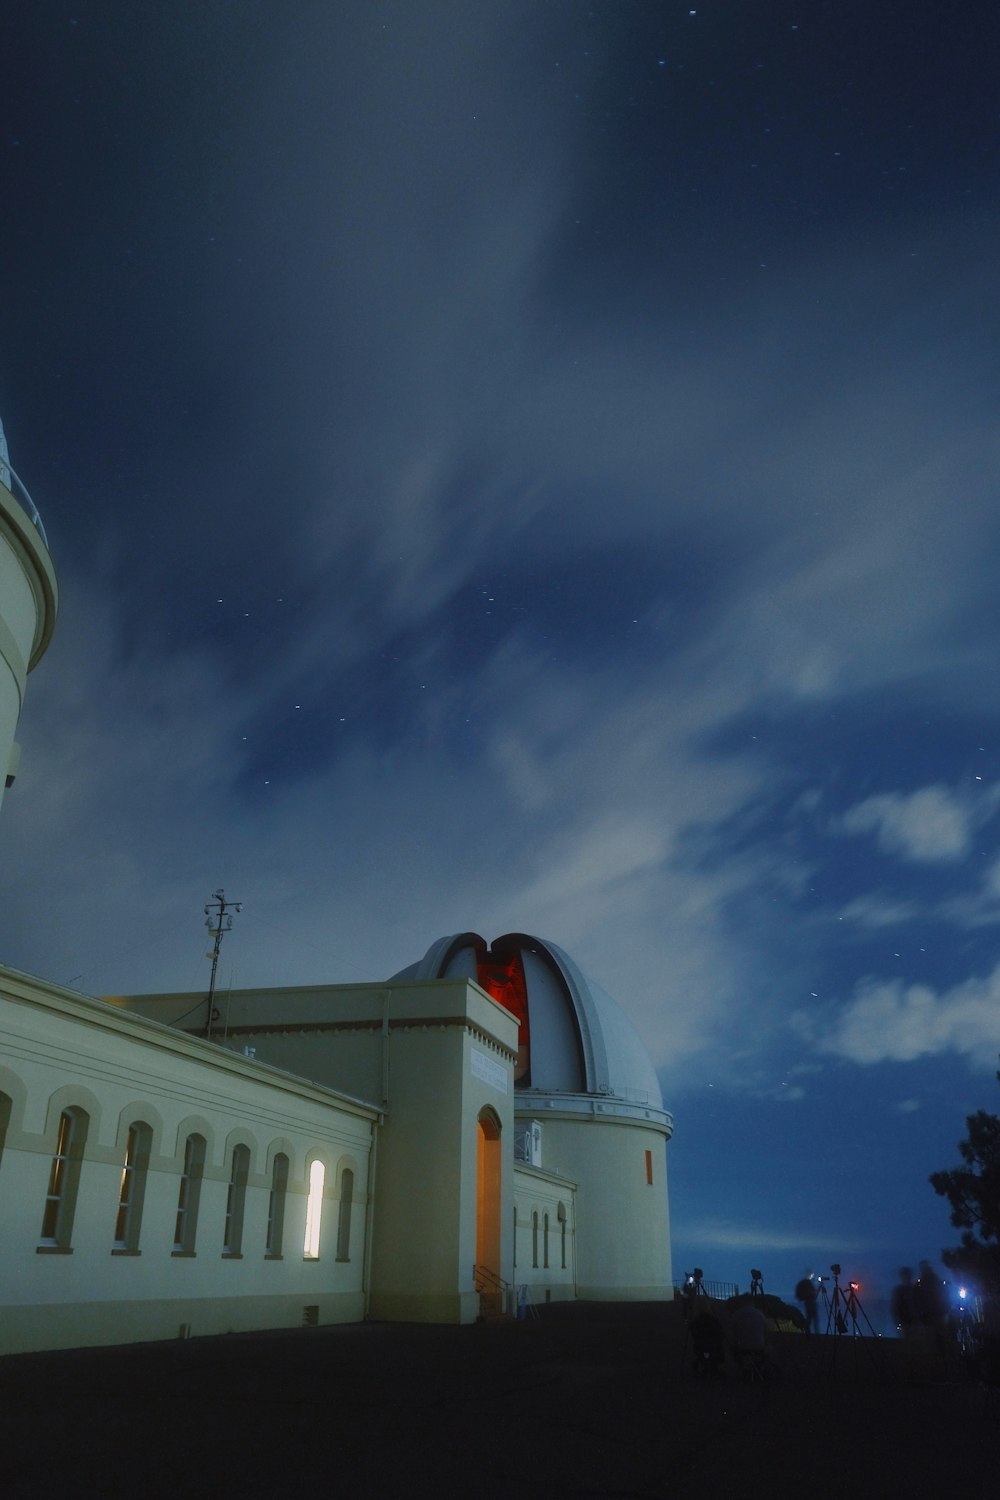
x=124, y=1250
x=232, y=1255
x=274, y=1257
x=182, y=1254
x=53, y=1249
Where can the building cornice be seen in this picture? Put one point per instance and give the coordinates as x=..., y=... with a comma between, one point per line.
x=540, y=1105
x=43, y=995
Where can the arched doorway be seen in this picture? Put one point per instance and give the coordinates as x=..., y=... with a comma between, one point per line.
x=488, y=1192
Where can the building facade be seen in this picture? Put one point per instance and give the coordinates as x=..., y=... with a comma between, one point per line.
x=415, y=1151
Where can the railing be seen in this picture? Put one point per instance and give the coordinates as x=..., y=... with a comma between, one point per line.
x=720, y=1290
x=496, y=1296
x=19, y=490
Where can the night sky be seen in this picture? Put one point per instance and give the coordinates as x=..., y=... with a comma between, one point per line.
x=533, y=466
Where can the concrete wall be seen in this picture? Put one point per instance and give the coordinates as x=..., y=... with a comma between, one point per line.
x=27, y=617
x=59, y=1051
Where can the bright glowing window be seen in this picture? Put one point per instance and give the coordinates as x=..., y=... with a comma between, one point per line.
x=314, y=1210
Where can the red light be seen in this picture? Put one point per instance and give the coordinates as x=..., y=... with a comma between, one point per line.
x=503, y=978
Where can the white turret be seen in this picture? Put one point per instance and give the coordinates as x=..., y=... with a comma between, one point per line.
x=27, y=604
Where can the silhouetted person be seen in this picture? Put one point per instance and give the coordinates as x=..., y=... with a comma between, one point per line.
x=807, y=1294
x=693, y=1289
x=749, y=1330
x=930, y=1308
x=903, y=1314
x=708, y=1342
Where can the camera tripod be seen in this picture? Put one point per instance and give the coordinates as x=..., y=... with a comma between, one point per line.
x=844, y=1312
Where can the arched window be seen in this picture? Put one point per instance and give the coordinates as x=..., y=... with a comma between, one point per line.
x=64, y=1180
x=344, y=1217
x=132, y=1189
x=534, y=1238
x=5, y=1107
x=189, y=1195
x=545, y=1242
x=236, y=1196
x=561, y=1216
x=276, y=1207
x=314, y=1211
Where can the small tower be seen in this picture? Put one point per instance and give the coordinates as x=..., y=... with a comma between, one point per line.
x=28, y=597
x=587, y=1097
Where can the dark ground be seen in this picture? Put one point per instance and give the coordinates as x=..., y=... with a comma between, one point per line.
x=586, y=1401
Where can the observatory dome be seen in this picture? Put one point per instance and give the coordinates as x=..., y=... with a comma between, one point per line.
x=573, y=1037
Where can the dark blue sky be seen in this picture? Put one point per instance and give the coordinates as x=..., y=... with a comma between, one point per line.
x=533, y=467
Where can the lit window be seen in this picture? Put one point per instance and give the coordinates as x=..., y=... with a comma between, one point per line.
x=276, y=1207
x=64, y=1179
x=314, y=1210
x=132, y=1189
x=344, y=1217
x=189, y=1195
x=232, y=1237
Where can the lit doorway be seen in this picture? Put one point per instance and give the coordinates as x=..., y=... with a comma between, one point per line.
x=488, y=1193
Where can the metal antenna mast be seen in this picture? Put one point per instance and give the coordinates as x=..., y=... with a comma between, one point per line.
x=218, y=921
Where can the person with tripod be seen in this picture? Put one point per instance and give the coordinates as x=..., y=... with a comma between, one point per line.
x=806, y=1293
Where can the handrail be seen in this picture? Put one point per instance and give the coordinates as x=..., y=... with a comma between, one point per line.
x=719, y=1290
x=11, y=478
x=489, y=1284
x=483, y=1273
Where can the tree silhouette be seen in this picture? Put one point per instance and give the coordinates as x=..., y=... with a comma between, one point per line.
x=973, y=1190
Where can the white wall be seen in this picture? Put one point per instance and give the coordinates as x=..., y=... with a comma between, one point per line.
x=432, y=1055
x=622, y=1221
x=60, y=1050
x=538, y=1193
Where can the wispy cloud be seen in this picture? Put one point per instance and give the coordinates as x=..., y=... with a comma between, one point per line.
x=889, y=1021
x=934, y=824
x=727, y=1235
x=877, y=910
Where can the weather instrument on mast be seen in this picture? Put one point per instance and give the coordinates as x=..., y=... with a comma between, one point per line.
x=219, y=921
